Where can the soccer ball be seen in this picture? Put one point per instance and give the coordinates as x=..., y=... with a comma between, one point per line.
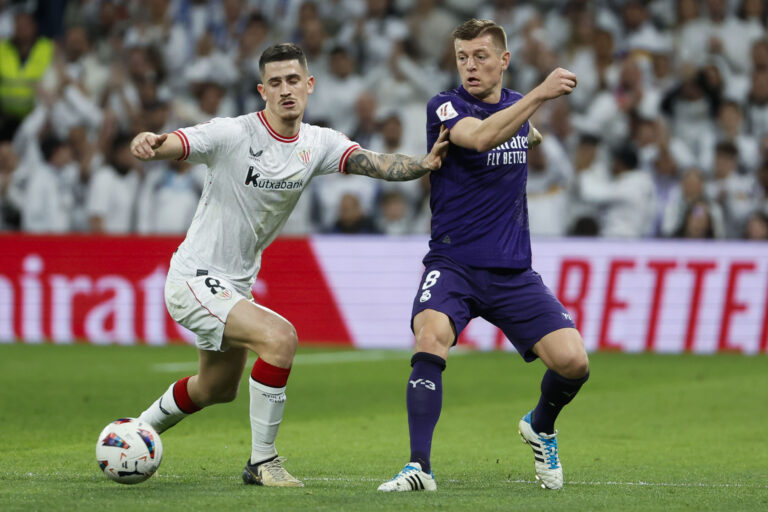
x=129, y=451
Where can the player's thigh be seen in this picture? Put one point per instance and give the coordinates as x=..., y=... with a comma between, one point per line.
x=219, y=373
x=443, y=305
x=261, y=330
x=526, y=311
x=563, y=352
x=434, y=332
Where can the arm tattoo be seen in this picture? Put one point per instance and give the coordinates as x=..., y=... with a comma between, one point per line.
x=390, y=167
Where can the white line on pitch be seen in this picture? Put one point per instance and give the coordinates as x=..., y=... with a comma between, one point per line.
x=595, y=483
x=695, y=485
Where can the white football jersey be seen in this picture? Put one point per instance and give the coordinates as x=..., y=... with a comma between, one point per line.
x=254, y=179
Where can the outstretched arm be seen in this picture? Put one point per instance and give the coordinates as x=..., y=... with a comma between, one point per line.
x=151, y=146
x=397, y=167
x=472, y=133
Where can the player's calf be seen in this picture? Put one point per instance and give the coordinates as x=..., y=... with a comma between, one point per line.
x=173, y=406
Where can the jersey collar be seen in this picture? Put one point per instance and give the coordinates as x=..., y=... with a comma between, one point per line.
x=476, y=101
x=272, y=132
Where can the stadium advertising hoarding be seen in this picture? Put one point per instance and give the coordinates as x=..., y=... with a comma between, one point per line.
x=662, y=296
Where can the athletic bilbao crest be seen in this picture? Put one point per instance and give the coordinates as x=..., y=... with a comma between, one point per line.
x=304, y=156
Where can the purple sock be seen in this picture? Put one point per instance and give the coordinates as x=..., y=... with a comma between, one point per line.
x=556, y=393
x=424, y=399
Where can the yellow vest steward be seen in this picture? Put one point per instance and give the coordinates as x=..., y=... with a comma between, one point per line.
x=17, y=80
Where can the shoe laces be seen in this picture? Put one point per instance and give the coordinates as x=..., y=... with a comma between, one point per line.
x=406, y=470
x=550, y=451
x=276, y=470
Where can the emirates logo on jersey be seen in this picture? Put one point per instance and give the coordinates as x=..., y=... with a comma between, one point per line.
x=304, y=156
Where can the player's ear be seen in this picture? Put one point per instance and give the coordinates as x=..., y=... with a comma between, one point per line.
x=310, y=84
x=260, y=88
x=505, y=57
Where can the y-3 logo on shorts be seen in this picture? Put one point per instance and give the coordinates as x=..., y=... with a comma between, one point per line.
x=423, y=382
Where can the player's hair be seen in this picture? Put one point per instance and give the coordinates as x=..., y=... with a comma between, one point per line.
x=473, y=28
x=281, y=52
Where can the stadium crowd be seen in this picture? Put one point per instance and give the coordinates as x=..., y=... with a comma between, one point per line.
x=665, y=136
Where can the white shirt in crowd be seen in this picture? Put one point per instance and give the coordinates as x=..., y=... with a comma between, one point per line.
x=169, y=198
x=628, y=202
x=49, y=199
x=112, y=197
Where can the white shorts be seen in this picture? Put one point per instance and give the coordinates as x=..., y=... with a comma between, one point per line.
x=202, y=304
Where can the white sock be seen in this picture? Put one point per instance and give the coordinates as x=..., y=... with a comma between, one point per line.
x=267, y=404
x=163, y=413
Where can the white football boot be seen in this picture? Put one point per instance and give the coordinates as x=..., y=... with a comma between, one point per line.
x=411, y=478
x=270, y=474
x=549, y=471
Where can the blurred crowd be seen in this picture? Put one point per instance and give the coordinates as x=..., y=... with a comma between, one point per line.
x=665, y=136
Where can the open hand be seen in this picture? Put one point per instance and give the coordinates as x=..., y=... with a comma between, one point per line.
x=435, y=157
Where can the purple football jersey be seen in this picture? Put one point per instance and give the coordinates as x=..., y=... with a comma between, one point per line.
x=478, y=200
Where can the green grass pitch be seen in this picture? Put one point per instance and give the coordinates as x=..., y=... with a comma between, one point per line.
x=648, y=432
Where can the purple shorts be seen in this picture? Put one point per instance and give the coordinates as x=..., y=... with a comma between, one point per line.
x=515, y=301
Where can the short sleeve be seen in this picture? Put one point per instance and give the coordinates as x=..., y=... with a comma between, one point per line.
x=337, y=147
x=202, y=142
x=445, y=110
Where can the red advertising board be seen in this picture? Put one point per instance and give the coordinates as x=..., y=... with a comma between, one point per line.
x=110, y=290
x=662, y=296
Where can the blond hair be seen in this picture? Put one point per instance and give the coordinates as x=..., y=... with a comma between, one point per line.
x=474, y=28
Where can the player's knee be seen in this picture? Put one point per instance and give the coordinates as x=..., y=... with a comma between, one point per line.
x=575, y=367
x=280, y=345
x=432, y=343
x=287, y=339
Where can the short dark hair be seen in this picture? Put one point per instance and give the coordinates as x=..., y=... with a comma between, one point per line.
x=49, y=145
x=281, y=52
x=473, y=28
x=626, y=155
x=727, y=148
